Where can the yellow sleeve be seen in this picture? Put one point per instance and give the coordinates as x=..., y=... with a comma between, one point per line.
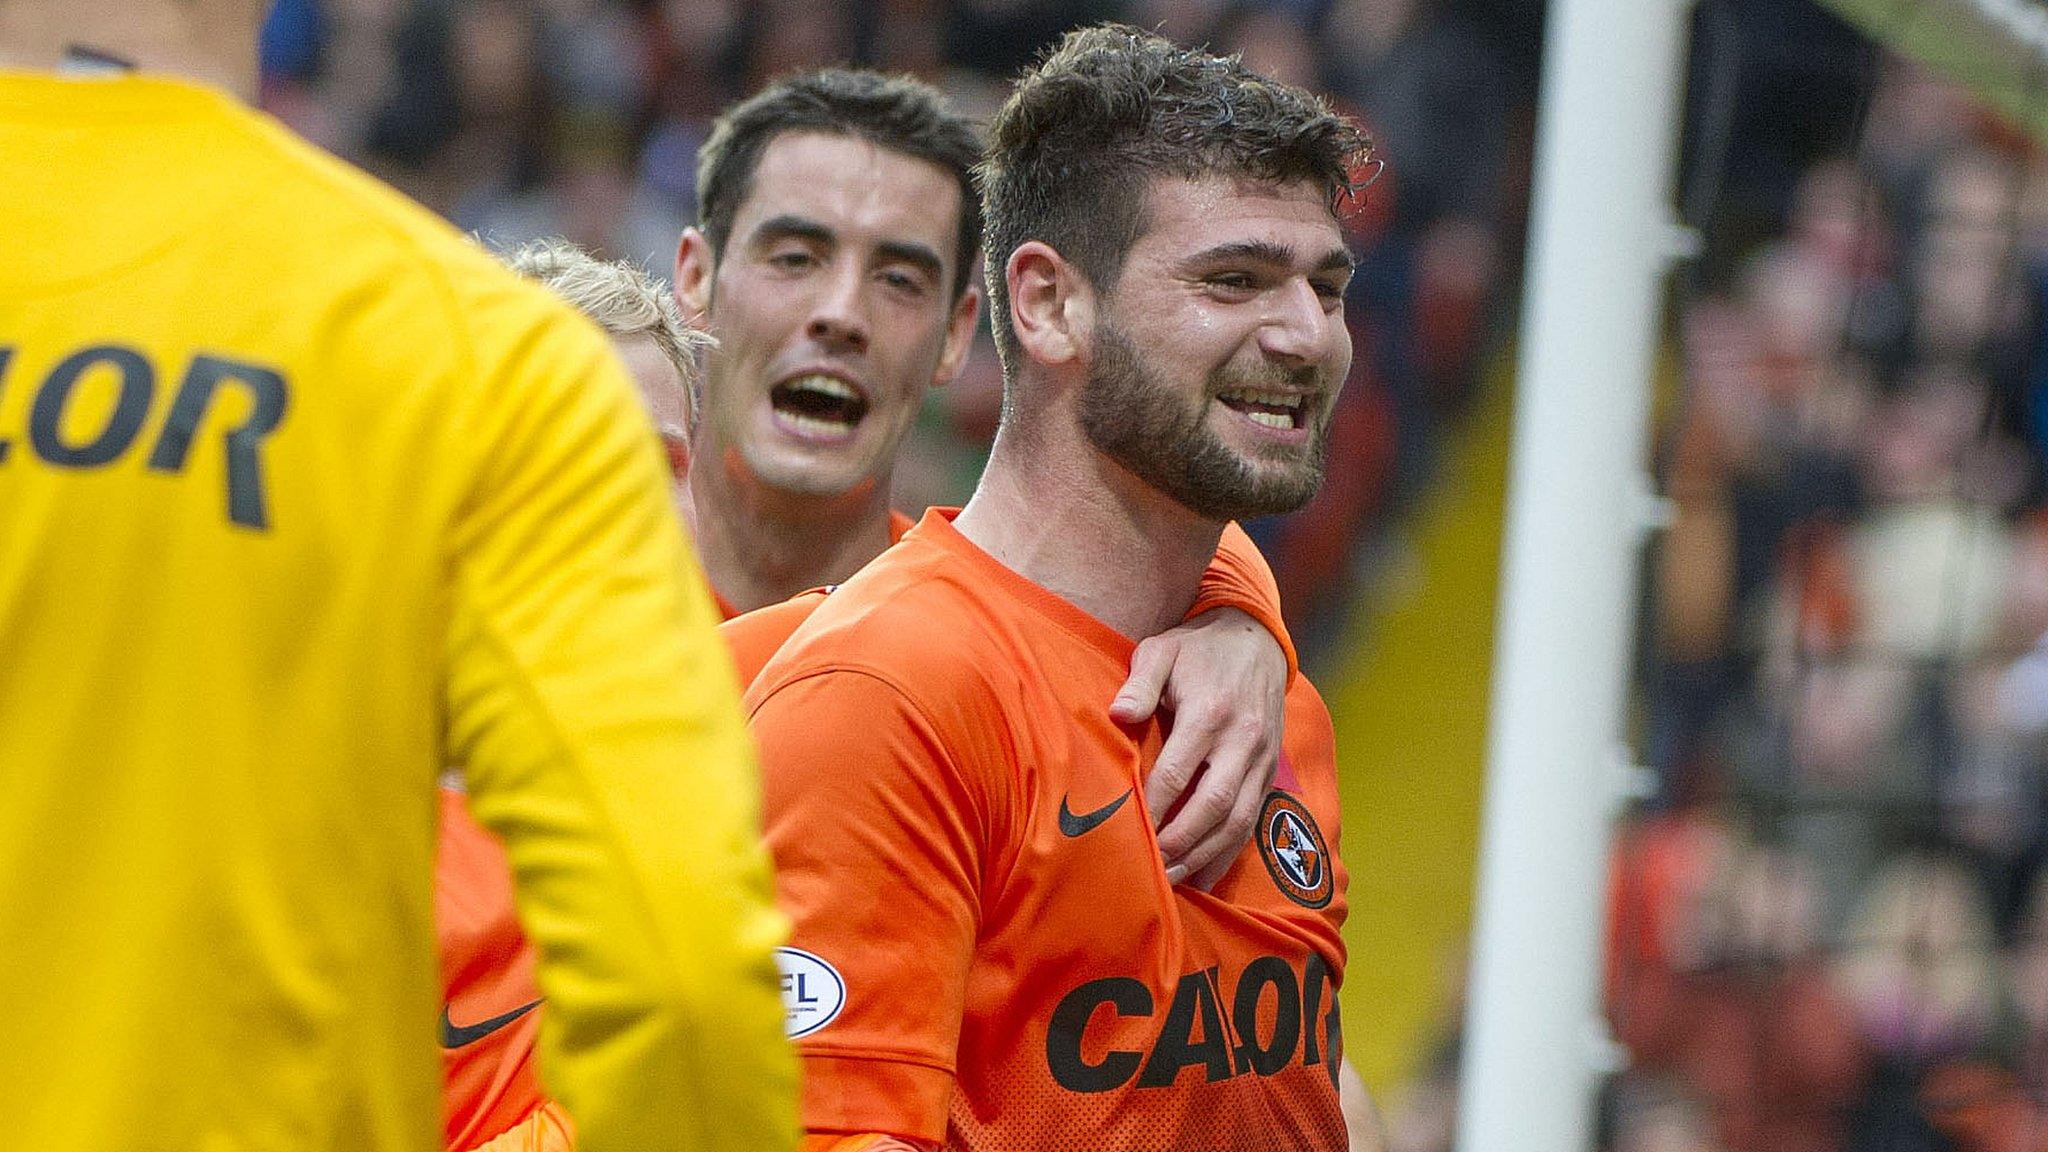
x=596, y=717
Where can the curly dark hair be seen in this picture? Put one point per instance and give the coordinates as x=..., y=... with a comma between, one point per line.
x=900, y=113
x=1071, y=153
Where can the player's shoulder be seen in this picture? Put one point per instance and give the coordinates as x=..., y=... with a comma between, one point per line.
x=1307, y=711
x=1311, y=736
x=361, y=229
x=327, y=191
x=910, y=619
x=463, y=843
x=1308, y=759
x=393, y=301
x=754, y=637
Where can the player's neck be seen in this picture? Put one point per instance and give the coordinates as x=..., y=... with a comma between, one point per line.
x=760, y=547
x=1069, y=520
x=197, y=41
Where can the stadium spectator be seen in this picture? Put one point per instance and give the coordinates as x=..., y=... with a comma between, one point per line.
x=1926, y=987
x=1655, y=1116
x=1733, y=1001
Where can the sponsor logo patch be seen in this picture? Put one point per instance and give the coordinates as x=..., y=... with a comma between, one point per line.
x=813, y=992
x=1295, y=853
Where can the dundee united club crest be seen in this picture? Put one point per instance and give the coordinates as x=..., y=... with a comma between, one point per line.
x=1295, y=853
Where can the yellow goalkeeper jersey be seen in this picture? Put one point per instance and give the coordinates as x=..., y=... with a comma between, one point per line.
x=301, y=498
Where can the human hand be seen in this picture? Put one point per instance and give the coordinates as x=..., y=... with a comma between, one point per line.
x=1224, y=678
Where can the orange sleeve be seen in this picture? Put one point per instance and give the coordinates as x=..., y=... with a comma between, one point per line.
x=877, y=839
x=1237, y=577
x=753, y=637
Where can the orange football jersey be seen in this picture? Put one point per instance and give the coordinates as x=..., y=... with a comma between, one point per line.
x=488, y=1028
x=490, y=1004
x=1236, y=578
x=987, y=953
x=764, y=630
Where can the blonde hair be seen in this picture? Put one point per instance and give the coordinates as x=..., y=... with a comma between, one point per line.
x=621, y=298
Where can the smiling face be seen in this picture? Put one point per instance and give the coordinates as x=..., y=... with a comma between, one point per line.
x=1218, y=355
x=834, y=309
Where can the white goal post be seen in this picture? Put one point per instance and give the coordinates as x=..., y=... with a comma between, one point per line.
x=1602, y=232
x=1602, y=235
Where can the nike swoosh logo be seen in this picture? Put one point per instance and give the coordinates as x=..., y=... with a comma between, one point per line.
x=1073, y=825
x=455, y=1035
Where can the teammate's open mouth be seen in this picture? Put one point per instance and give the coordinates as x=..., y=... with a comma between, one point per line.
x=1272, y=409
x=822, y=405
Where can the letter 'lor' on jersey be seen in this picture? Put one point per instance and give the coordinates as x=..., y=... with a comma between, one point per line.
x=304, y=498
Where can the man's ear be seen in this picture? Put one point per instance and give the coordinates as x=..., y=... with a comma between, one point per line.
x=675, y=446
x=1052, y=305
x=959, y=337
x=696, y=266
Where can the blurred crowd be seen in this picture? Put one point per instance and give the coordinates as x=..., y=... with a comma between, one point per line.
x=582, y=118
x=1828, y=930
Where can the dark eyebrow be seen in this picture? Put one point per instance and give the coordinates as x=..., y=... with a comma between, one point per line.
x=1265, y=252
x=792, y=227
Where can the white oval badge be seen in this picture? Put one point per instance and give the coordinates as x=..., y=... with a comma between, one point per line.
x=812, y=991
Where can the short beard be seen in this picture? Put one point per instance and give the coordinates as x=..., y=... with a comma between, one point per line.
x=1157, y=434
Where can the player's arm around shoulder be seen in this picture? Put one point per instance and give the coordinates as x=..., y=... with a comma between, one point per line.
x=596, y=716
x=1223, y=674
x=1238, y=577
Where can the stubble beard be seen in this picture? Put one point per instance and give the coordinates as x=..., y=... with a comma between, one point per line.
x=1159, y=435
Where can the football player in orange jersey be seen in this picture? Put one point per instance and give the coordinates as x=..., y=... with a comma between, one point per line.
x=987, y=951
x=788, y=511
x=833, y=262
